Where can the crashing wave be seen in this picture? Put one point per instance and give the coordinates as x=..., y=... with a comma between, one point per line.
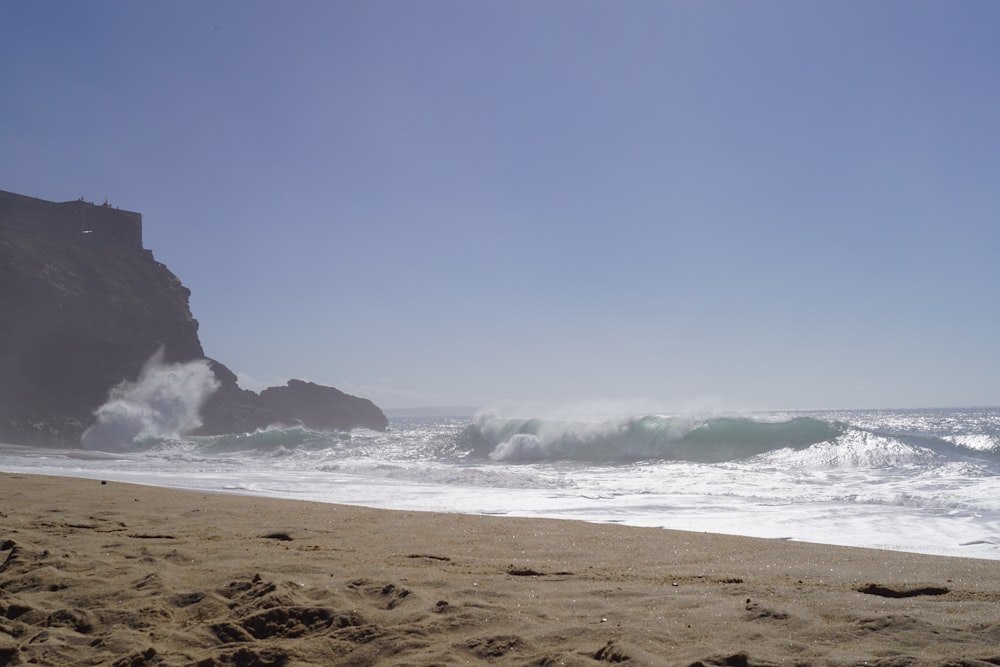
x=640, y=438
x=163, y=403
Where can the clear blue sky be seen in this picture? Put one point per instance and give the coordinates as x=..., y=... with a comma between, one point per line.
x=776, y=204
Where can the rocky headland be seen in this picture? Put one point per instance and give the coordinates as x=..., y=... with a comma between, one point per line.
x=83, y=306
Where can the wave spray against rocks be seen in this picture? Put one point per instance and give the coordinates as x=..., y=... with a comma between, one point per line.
x=163, y=403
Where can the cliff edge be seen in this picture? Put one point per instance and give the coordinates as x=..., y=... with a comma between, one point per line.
x=83, y=306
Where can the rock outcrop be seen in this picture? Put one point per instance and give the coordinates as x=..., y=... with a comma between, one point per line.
x=78, y=316
x=321, y=408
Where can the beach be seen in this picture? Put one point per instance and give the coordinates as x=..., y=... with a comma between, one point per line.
x=95, y=572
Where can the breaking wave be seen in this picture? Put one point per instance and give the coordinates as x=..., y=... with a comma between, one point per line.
x=273, y=438
x=711, y=440
x=916, y=480
x=163, y=403
x=156, y=410
x=640, y=438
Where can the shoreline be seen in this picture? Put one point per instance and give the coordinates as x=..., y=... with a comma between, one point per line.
x=966, y=550
x=94, y=573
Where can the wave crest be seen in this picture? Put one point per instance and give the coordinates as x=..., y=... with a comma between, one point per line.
x=641, y=438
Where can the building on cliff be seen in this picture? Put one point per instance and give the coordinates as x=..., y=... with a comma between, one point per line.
x=72, y=220
x=83, y=306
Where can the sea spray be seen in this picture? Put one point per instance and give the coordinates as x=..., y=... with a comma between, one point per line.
x=164, y=402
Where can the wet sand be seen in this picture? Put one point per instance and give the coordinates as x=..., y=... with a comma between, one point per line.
x=116, y=574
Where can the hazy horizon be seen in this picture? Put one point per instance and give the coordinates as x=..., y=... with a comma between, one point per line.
x=671, y=205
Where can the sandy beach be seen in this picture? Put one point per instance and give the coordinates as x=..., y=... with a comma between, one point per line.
x=115, y=574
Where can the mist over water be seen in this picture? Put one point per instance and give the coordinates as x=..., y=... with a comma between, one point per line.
x=163, y=403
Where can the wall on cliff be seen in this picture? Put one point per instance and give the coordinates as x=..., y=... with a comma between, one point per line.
x=78, y=318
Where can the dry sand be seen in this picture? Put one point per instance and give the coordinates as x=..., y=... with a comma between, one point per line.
x=114, y=574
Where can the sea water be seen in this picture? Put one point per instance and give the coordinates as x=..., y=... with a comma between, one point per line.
x=911, y=480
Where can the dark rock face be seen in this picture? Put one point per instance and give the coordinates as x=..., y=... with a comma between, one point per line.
x=78, y=317
x=322, y=408
x=235, y=410
x=75, y=320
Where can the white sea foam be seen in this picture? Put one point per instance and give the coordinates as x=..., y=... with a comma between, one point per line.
x=163, y=403
x=907, y=480
x=978, y=441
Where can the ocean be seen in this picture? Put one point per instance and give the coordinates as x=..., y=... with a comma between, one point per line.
x=910, y=480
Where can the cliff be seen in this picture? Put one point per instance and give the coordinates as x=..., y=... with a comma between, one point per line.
x=78, y=316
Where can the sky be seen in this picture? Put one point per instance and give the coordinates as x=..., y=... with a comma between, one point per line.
x=776, y=204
